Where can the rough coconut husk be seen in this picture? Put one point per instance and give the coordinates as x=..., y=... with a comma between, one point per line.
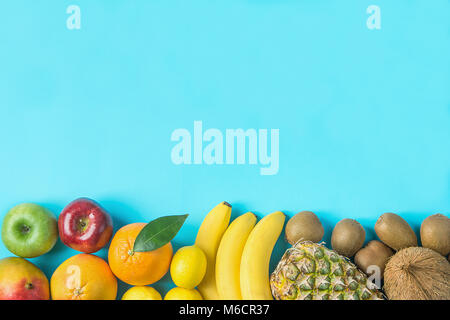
x=417, y=274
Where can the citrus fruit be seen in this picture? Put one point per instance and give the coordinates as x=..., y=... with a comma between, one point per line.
x=188, y=267
x=137, y=268
x=83, y=277
x=141, y=293
x=178, y=293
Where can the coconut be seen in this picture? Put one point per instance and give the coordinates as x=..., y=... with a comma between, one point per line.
x=417, y=273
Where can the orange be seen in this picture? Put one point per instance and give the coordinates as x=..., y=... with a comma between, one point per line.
x=137, y=268
x=83, y=277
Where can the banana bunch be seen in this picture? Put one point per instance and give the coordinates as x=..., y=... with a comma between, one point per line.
x=238, y=255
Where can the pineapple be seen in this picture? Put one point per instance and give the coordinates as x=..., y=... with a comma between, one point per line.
x=310, y=271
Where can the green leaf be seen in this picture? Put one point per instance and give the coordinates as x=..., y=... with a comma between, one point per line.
x=158, y=232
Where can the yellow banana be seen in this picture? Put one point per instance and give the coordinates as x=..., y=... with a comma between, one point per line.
x=255, y=260
x=208, y=239
x=228, y=261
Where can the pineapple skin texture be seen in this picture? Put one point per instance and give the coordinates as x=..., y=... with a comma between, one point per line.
x=310, y=271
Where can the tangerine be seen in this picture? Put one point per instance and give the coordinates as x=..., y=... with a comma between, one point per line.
x=137, y=268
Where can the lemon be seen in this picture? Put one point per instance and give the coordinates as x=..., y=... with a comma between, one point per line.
x=141, y=293
x=188, y=267
x=178, y=293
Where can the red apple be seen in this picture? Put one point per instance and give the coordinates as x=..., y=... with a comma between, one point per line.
x=85, y=226
x=22, y=280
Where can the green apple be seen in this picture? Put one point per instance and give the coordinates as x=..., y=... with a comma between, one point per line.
x=29, y=230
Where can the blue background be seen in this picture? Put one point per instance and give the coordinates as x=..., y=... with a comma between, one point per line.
x=364, y=115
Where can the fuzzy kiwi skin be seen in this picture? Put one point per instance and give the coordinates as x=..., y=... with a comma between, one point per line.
x=304, y=225
x=375, y=253
x=395, y=232
x=435, y=233
x=348, y=237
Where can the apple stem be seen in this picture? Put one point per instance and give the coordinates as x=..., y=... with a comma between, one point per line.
x=29, y=286
x=25, y=229
x=130, y=252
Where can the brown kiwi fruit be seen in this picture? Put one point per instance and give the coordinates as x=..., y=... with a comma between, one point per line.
x=348, y=237
x=395, y=232
x=435, y=233
x=304, y=225
x=375, y=253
